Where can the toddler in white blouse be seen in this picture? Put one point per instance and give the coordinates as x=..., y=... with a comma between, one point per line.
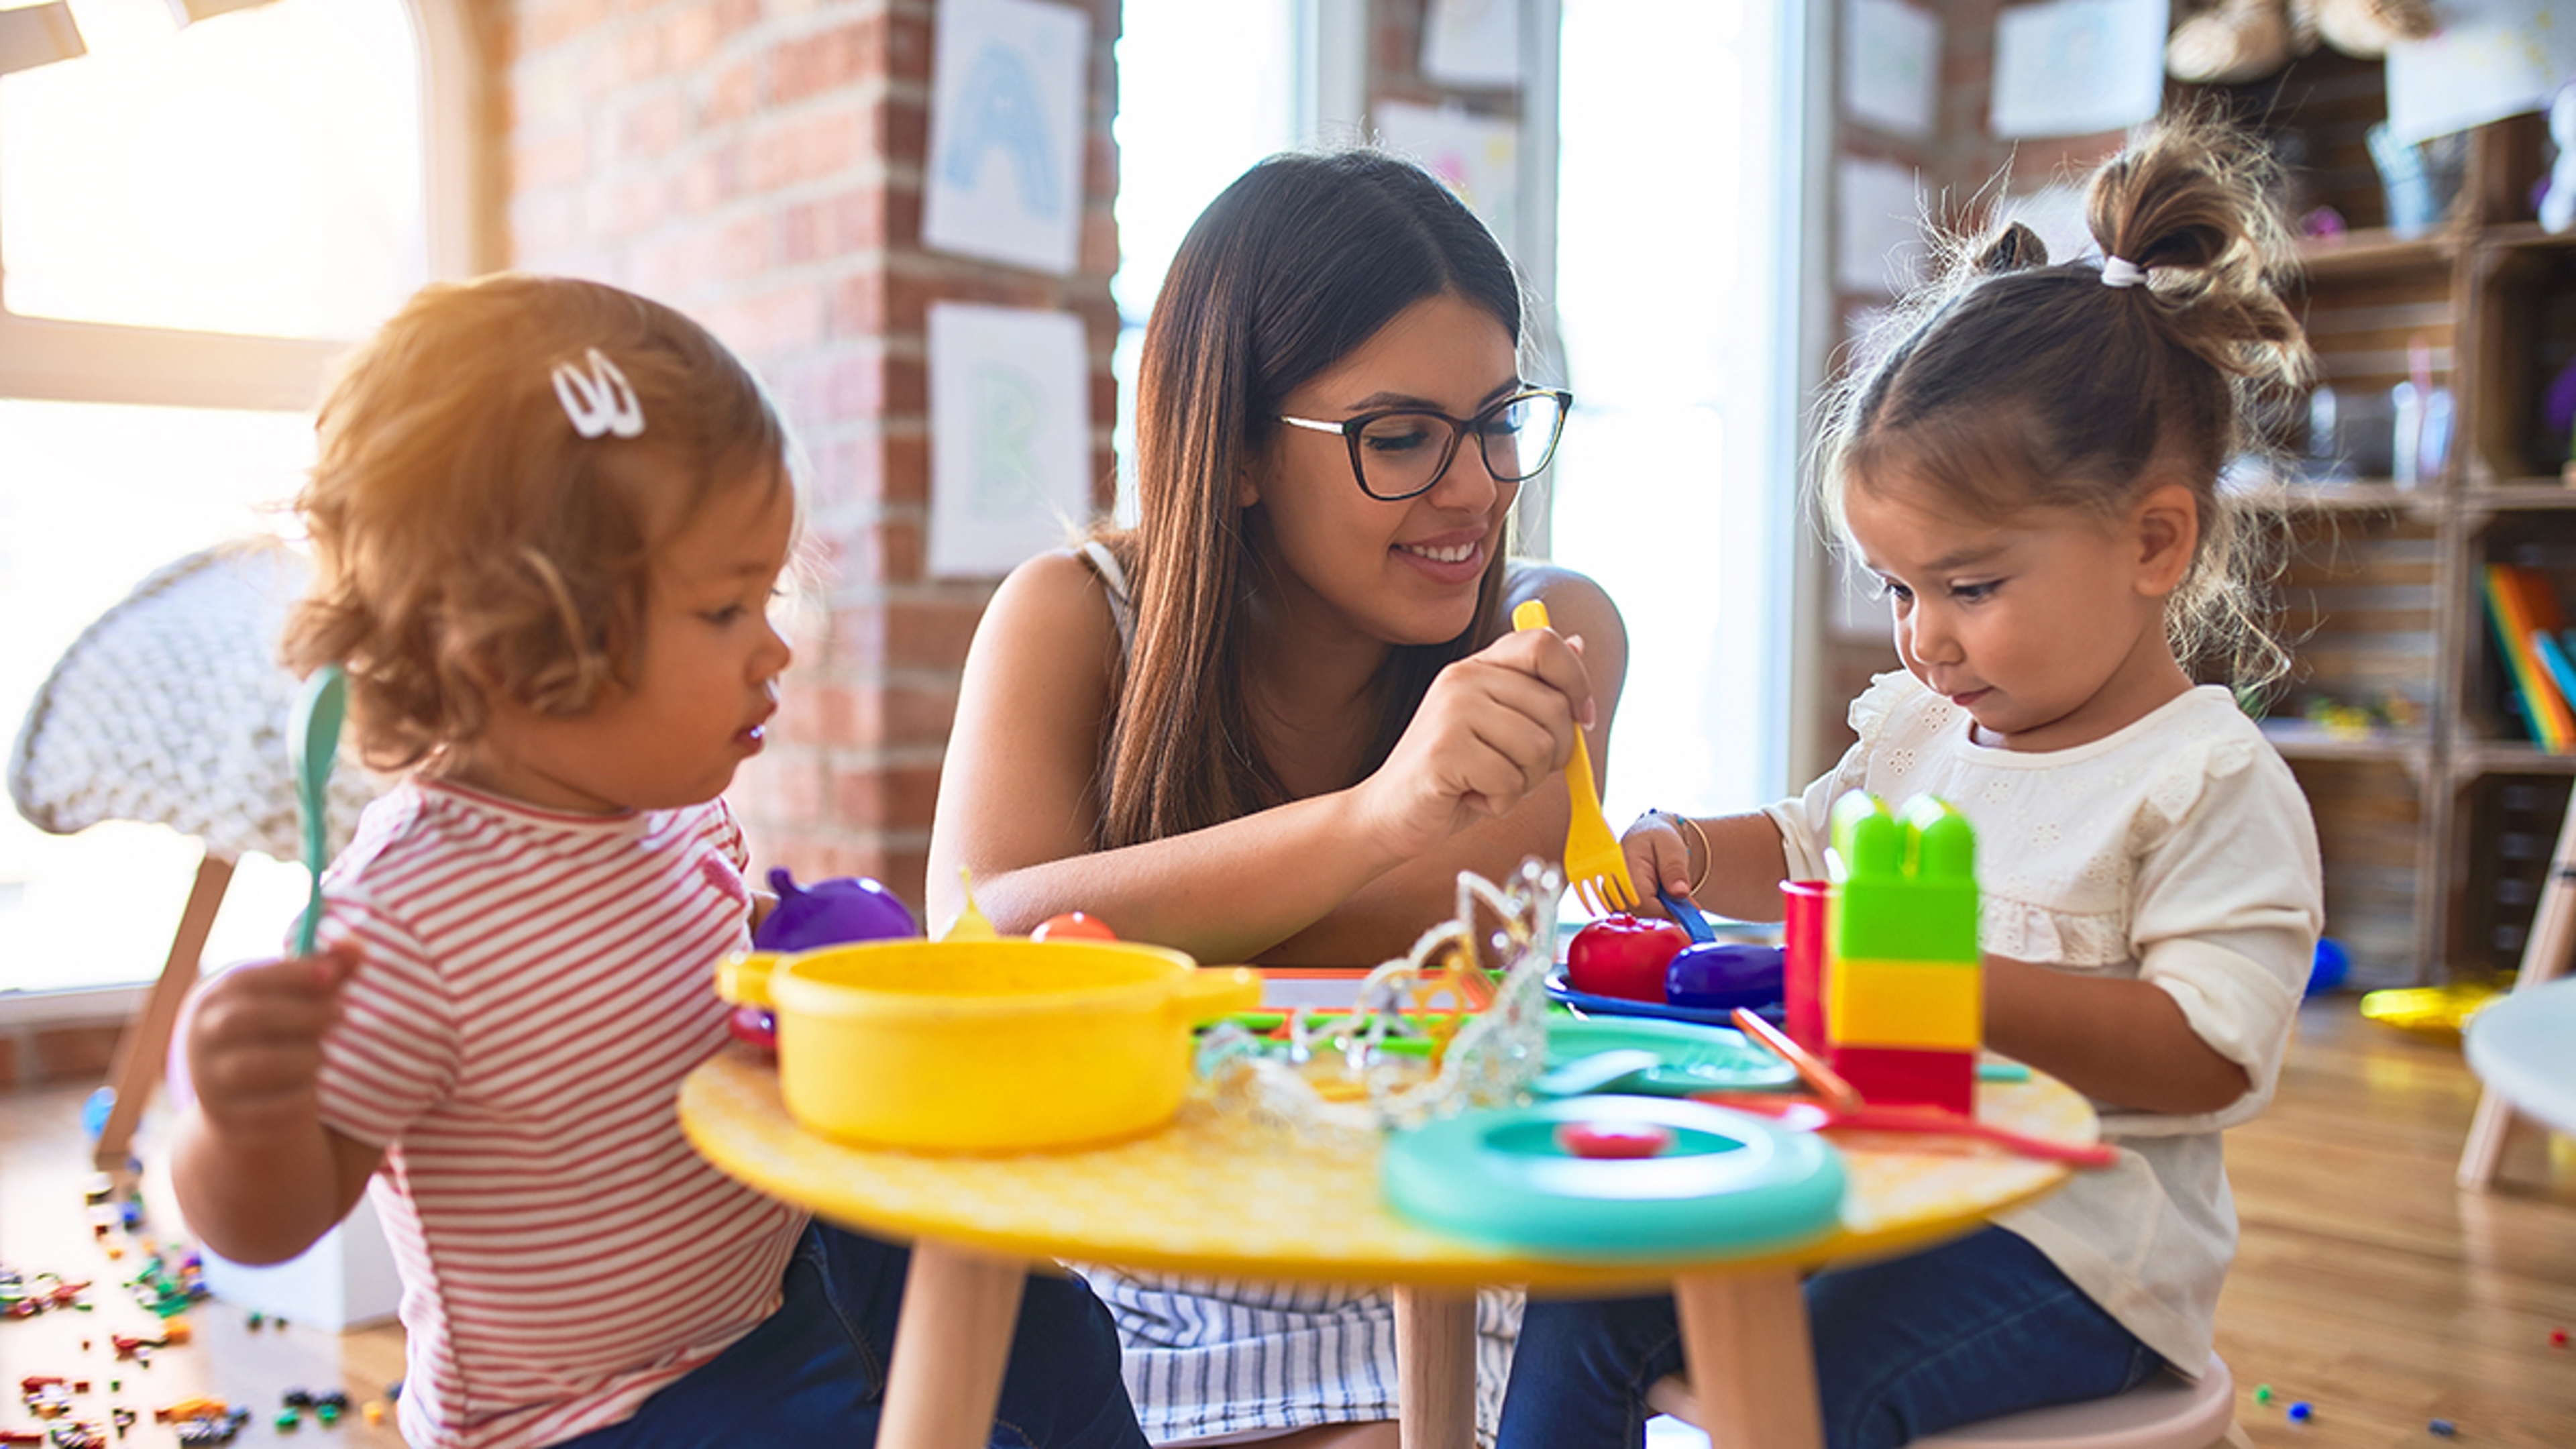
x=2031, y=473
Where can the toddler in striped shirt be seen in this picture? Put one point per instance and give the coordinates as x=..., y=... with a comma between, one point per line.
x=548, y=518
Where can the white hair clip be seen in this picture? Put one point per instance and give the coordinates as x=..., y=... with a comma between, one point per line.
x=601, y=401
x=2121, y=272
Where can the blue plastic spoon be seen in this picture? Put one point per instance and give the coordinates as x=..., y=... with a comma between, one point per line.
x=1688, y=917
x=313, y=733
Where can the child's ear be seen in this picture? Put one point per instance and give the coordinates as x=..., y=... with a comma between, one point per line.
x=1247, y=487
x=2165, y=528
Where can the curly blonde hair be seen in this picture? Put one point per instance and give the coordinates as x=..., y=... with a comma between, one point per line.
x=469, y=543
x=2016, y=384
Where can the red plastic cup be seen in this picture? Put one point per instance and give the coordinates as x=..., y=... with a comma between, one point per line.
x=1803, y=985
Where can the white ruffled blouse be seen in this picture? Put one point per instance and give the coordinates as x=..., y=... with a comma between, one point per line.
x=2178, y=851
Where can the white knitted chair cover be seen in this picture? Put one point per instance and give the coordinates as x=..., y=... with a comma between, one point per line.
x=171, y=709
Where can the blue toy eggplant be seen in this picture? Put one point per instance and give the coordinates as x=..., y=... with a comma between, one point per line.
x=1723, y=975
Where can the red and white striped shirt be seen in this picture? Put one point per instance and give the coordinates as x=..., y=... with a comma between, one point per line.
x=534, y=986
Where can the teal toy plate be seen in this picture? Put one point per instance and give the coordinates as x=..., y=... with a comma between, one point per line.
x=1728, y=1181
x=1694, y=1058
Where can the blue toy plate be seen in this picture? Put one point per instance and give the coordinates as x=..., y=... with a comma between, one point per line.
x=1591, y=1005
x=1728, y=1181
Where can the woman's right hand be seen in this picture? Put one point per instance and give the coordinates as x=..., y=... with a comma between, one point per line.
x=1493, y=727
x=254, y=1041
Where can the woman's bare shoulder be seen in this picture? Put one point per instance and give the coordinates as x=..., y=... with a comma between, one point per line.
x=1528, y=578
x=1575, y=604
x=1056, y=599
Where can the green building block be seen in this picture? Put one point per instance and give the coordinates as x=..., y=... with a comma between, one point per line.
x=1904, y=882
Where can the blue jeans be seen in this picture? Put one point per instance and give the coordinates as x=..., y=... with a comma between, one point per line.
x=814, y=1371
x=1963, y=1332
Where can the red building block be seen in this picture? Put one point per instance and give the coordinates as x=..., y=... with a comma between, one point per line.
x=1904, y=1077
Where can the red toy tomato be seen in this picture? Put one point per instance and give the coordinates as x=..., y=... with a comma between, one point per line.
x=1072, y=926
x=1614, y=1141
x=1625, y=956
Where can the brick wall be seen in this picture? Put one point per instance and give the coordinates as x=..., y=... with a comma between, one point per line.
x=758, y=164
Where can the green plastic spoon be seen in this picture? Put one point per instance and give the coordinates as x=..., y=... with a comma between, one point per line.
x=313, y=733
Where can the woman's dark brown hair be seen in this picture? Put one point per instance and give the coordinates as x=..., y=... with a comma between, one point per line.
x=468, y=541
x=1296, y=264
x=2017, y=384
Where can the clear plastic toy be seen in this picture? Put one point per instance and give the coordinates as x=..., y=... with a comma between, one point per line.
x=1458, y=1021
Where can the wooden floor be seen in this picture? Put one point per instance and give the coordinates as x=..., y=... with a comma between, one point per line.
x=2366, y=1285
x=44, y=1227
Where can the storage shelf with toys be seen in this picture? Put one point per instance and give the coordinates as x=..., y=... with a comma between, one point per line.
x=2432, y=449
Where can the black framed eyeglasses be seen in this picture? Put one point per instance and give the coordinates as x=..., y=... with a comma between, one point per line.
x=1405, y=452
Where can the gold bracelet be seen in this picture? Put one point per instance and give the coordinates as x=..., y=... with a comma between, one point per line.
x=1707, y=857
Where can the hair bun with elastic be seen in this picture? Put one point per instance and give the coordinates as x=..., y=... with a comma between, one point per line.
x=2017, y=249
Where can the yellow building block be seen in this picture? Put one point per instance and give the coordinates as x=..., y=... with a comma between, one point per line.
x=1905, y=1004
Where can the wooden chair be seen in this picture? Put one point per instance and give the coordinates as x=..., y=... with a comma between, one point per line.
x=171, y=709
x=2544, y=959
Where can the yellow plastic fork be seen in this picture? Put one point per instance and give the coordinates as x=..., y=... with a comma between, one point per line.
x=1595, y=866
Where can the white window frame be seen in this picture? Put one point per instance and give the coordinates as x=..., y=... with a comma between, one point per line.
x=52, y=360
x=61, y=361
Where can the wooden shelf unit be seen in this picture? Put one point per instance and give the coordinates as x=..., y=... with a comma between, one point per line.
x=2429, y=830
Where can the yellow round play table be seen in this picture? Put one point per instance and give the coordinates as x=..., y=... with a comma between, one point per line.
x=1212, y=1194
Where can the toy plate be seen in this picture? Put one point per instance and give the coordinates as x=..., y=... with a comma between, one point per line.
x=1591, y=1005
x=1730, y=1181
x=1696, y=1058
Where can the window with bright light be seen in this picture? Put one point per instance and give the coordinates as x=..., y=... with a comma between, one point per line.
x=180, y=208
x=1204, y=91
x=259, y=172
x=1675, y=487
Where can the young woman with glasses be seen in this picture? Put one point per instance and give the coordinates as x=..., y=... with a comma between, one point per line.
x=1274, y=720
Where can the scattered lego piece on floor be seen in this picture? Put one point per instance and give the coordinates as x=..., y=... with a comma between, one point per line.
x=2558, y=1338
x=165, y=1287
x=196, y=1433
x=26, y=1295
x=198, y=1407
x=2443, y=1428
x=2301, y=1412
x=45, y=1395
x=2262, y=1393
x=375, y=1411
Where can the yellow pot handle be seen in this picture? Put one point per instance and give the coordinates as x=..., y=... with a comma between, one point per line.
x=743, y=977
x=1213, y=991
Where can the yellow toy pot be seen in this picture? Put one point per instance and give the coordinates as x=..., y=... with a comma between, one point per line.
x=984, y=1046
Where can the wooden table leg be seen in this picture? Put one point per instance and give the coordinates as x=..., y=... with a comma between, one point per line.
x=951, y=1341
x=1435, y=1358
x=1752, y=1362
x=144, y=1047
